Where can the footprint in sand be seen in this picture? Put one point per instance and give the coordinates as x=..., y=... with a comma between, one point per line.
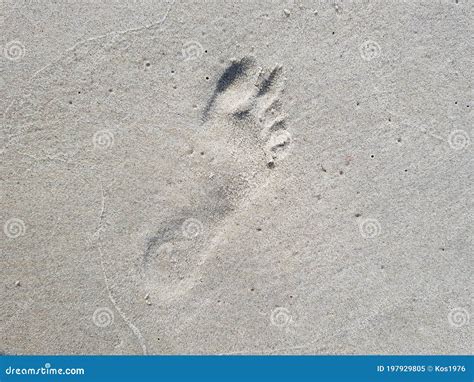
x=244, y=135
x=146, y=208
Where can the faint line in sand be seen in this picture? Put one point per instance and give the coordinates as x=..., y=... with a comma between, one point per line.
x=82, y=42
x=132, y=327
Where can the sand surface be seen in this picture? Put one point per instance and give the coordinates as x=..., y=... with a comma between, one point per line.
x=226, y=177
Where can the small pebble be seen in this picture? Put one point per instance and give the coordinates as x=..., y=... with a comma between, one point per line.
x=147, y=299
x=17, y=283
x=287, y=12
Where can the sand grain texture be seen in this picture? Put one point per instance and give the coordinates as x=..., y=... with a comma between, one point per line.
x=236, y=177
